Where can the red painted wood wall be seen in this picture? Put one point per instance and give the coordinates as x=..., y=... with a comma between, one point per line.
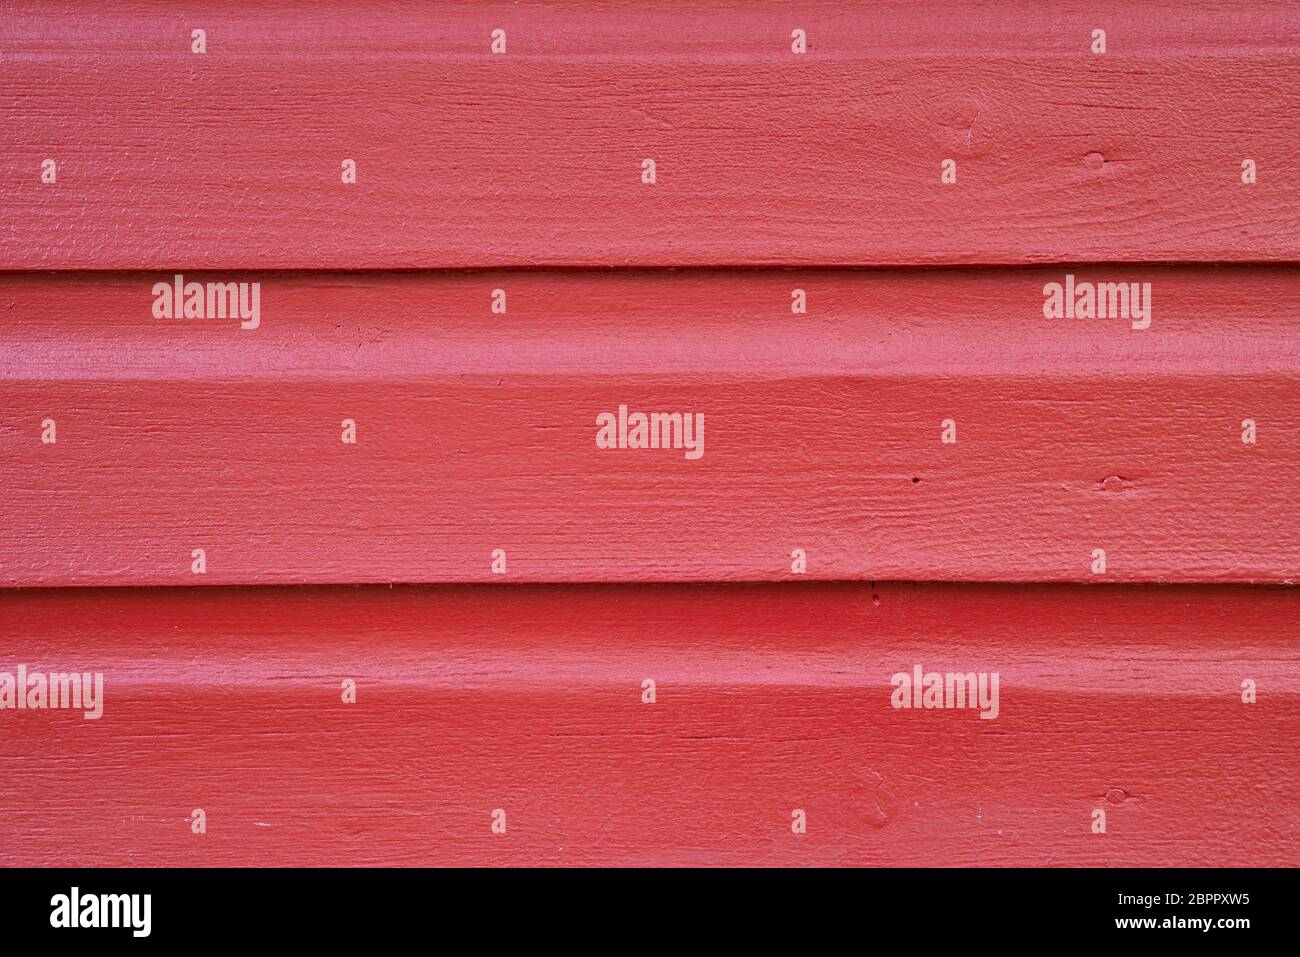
x=922, y=466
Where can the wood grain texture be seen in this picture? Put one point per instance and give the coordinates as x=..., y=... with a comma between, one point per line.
x=231, y=159
x=768, y=698
x=477, y=431
x=823, y=431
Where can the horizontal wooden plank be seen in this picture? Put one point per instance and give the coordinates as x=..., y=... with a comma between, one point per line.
x=768, y=699
x=823, y=431
x=233, y=158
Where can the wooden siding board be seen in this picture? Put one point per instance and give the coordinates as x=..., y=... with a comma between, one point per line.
x=231, y=159
x=822, y=431
x=768, y=698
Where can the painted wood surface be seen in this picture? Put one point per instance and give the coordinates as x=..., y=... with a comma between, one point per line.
x=232, y=158
x=510, y=180
x=768, y=699
x=823, y=431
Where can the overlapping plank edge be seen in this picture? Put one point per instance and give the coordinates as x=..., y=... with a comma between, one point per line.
x=916, y=425
x=235, y=157
x=767, y=699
